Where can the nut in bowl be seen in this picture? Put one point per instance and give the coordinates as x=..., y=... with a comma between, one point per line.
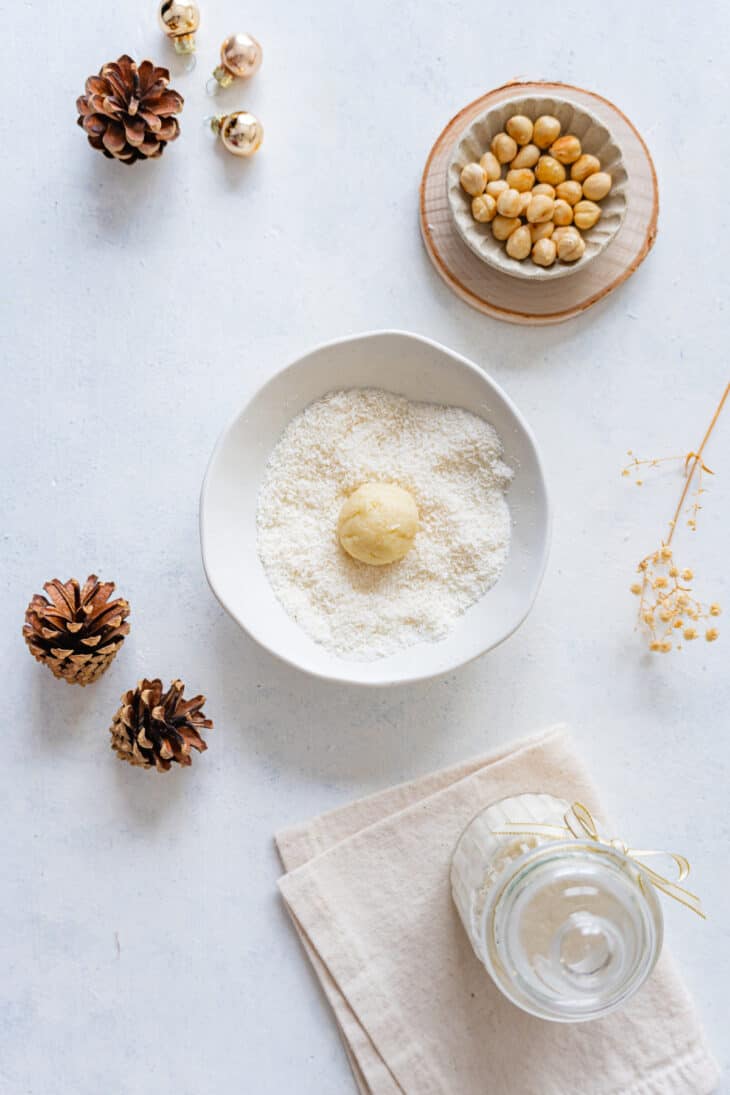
x=537, y=187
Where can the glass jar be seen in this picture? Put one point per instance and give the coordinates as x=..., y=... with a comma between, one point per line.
x=567, y=928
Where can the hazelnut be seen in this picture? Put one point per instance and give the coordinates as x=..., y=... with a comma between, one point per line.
x=544, y=252
x=519, y=243
x=509, y=203
x=483, y=208
x=491, y=165
x=521, y=179
x=503, y=227
x=586, y=214
x=597, y=186
x=520, y=128
x=564, y=230
x=545, y=130
x=544, y=188
x=496, y=187
x=504, y=147
x=527, y=156
x=540, y=209
x=525, y=199
x=541, y=231
x=473, y=179
x=584, y=166
x=562, y=213
x=571, y=247
x=549, y=170
x=566, y=149
x=569, y=191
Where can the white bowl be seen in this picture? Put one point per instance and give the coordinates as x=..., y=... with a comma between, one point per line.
x=595, y=139
x=420, y=370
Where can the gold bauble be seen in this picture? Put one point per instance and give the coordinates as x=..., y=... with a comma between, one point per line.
x=242, y=55
x=241, y=133
x=180, y=20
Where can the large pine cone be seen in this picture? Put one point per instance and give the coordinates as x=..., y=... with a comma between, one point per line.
x=128, y=112
x=76, y=631
x=158, y=728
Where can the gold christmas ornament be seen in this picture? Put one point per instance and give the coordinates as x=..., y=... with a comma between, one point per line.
x=240, y=132
x=241, y=57
x=180, y=21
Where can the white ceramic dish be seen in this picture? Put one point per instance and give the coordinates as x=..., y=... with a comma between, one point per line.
x=595, y=139
x=418, y=369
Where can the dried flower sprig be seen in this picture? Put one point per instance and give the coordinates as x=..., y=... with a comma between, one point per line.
x=668, y=610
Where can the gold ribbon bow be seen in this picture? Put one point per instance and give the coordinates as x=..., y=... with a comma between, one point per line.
x=579, y=823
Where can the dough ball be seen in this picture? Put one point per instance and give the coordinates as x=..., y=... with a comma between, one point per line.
x=378, y=523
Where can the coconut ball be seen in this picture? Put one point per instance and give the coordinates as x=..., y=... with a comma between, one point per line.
x=378, y=523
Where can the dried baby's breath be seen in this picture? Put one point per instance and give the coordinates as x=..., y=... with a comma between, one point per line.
x=668, y=608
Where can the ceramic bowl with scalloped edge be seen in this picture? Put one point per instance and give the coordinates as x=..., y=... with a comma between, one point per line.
x=595, y=139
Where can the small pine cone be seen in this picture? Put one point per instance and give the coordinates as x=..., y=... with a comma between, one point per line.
x=76, y=631
x=158, y=728
x=128, y=112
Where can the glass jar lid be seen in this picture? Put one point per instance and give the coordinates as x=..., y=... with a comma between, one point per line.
x=572, y=932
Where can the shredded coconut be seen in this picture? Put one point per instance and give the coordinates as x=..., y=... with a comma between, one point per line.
x=450, y=461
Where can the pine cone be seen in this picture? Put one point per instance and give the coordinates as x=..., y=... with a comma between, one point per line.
x=78, y=632
x=158, y=728
x=127, y=113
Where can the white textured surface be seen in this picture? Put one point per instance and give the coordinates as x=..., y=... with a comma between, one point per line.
x=143, y=946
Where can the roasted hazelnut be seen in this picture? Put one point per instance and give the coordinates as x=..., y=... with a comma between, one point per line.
x=492, y=166
x=503, y=227
x=496, y=187
x=519, y=128
x=519, y=243
x=545, y=130
x=521, y=179
x=586, y=214
x=527, y=156
x=597, y=186
x=541, y=231
x=569, y=191
x=504, y=147
x=564, y=230
x=473, y=179
x=509, y=203
x=550, y=170
x=483, y=208
x=525, y=199
x=544, y=188
x=571, y=247
x=562, y=213
x=584, y=166
x=566, y=149
x=544, y=252
x=540, y=209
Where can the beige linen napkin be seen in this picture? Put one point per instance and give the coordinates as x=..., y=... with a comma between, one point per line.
x=367, y=887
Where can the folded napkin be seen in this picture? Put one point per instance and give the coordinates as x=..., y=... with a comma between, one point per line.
x=367, y=887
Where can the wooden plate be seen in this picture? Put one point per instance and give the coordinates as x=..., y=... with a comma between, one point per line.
x=517, y=300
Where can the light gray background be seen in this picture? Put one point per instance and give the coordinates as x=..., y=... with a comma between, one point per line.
x=143, y=947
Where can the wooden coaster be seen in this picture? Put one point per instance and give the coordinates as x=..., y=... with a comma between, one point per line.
x=515, y=299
